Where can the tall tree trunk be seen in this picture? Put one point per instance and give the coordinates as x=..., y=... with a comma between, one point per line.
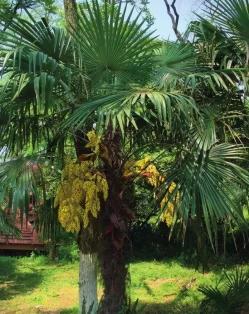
x=114, y=274
x=88, y=301
x=70, y=9
x=115, y=231
x=52, y=251
x=88, y=260
x=88, y=284
x=201, y=243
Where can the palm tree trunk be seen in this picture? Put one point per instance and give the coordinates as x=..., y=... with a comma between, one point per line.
x=87, y=283
x=201, y=244
x=114, y=274
x=52, y=251
x=88, y=260
x=115, y=220
x=88, y=301
x=113, y=252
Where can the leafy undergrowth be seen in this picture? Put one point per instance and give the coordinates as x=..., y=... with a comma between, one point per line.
x=35, y=285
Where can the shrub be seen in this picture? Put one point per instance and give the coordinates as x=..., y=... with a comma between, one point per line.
x=229, y=298
x=68, y=252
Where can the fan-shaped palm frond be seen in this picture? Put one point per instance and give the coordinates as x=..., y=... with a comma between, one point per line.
x=23, y=184
x=46, y=73
x=176, y=58
x=34, y=56
x=113, y=41
x=229, y=296
x=18, y=179
x=205, y=176
x=233, y=17
x=122, y=109
x=6, y=225
x=187, y=67
x=38, y=85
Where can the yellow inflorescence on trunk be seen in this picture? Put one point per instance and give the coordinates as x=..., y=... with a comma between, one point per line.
x=80, y=192
x=145, y=168
x=94, y=142
x=168, y=214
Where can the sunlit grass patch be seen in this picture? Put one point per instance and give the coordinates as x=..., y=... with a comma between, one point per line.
x=28, y=284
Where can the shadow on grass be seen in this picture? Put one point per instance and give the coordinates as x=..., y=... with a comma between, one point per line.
x=169, y=309
x=176, y=306
x=14, y=282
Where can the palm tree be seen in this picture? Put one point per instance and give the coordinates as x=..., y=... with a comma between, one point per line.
x=171, y=106
x=49, y=77
x=197, y=171
x=111, y=72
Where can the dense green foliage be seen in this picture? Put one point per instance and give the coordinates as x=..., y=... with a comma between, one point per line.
x=107, y=71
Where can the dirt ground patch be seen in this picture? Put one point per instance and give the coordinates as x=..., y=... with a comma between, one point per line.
x=169, y=298
x=160, y=281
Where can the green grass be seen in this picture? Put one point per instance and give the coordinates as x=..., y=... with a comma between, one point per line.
x=35, y=285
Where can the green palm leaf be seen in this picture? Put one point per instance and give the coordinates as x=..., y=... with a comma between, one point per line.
x=232, y=16
x=18, y=179
x=205, y=177
x=124, y=108
x=6, y=225
x=176, y=58
x=113, y=41
x=183, y=66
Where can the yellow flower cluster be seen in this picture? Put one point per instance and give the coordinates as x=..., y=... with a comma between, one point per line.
x=79, y=195
x=94, y=142
x=93, y=189
x=81, y=190
x=69, y=215
x=145, y=168
x=168, y=214
x=153, y=178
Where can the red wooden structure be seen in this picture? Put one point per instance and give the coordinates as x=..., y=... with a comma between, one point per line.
x=28, y=241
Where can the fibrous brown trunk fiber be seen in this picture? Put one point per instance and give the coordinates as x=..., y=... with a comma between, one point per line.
x=113, y=252
x=115, y=230
x=114, y=273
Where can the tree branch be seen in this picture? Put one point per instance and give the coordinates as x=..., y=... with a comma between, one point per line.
x=173, y=14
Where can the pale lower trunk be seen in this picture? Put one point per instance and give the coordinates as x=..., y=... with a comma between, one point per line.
x=88, y=284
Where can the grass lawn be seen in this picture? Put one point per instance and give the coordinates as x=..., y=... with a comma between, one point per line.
x=34, y=285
